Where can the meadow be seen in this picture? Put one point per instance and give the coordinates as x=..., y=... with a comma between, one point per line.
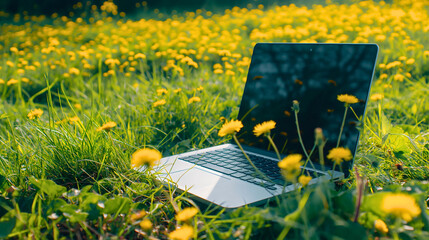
x=80, y=94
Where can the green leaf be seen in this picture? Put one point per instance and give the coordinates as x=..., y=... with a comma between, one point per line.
x=350, y=231
x=93, y=204
x=7, y=224
x=49, y=187
x=4, y=184
x=117, y=205
x=385, y=125
x=73, y=213
x=344, y=204
x=55, y=206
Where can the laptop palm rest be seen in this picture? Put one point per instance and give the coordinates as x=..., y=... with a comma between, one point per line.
x=213, y=187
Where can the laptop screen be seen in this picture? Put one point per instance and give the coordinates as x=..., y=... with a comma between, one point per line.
x=314, y=75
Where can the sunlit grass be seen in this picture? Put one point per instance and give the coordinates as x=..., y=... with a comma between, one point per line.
x=166, y=82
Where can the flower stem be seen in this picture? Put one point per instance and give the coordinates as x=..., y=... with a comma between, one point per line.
x=379, y=120
x=342, y=125
x=309, y=160
x=274, y=146
x=299, y=134
x=248, y=159
x=321, y=156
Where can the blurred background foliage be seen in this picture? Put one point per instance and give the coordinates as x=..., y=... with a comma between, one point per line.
x=64, y=7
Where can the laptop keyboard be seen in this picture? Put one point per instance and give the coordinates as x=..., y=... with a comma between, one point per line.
x=233, y=163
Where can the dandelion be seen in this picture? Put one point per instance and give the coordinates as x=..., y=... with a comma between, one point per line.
x=137, y=216
x=140, y=55
x=78, y=106
x=36, y=113
x=291, y=162
x=2, y=81
x=383, y=76
x=146, y=224
x=400, y=205
x=186, y=214
x=376, y=96
x=264, y=128
x=381, y=226
x=107, y=126
x=410, y=61
x=183, y=233
x=74, y=120
x=348, y=99
x=230, y=127
x=145, y=156
x=74, y=71
x=194, y=99
x=218, y=71
x=177, y=90
x=291, y=166
x=304, y=180
x=161, y=91
x=12, y=81
x=399, y=77
x=339, y=155
x=159, y=103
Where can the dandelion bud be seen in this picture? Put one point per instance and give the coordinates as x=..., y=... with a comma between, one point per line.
x=318, y=136
x=295, y=106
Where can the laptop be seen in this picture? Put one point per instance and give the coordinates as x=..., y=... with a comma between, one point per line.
x=314, y=75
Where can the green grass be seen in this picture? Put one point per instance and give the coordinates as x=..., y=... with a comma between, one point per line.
x=60, y=179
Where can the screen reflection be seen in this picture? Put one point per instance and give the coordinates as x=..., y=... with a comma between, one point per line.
x=313, y=74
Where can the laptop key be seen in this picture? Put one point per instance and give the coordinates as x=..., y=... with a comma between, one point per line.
x=238, y=175
x=218, y=168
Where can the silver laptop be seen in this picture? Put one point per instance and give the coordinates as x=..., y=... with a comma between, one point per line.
x=313, y=74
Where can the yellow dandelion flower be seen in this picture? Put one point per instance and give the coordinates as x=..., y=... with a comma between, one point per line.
x=410, y=61
x=383, y=76
x=74, y=71
x=304, y=180
x=348, y=99
x=398, y=77
x=183, y=233
x=376, y=96
x=339, y=154
x=10, y=64
x=194, y=99
x=107, y=126
x=381, y=226
x=2, y=81
x=146, y=224
x=161, y=91
x=74, y=119
x=264, y=128
x=186, y=214
x=159, y=103
x=230, y=128
x=291, y=162
x=12, y=81
x=400, y=205
x=36, y=113
x=218, y=71
x=78, y=106
x=290, y=166
x=136, y=216
x=140, y=55
x=145, y=156
x=177, y=90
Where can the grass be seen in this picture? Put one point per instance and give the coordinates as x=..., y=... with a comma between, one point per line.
x=61, y=178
